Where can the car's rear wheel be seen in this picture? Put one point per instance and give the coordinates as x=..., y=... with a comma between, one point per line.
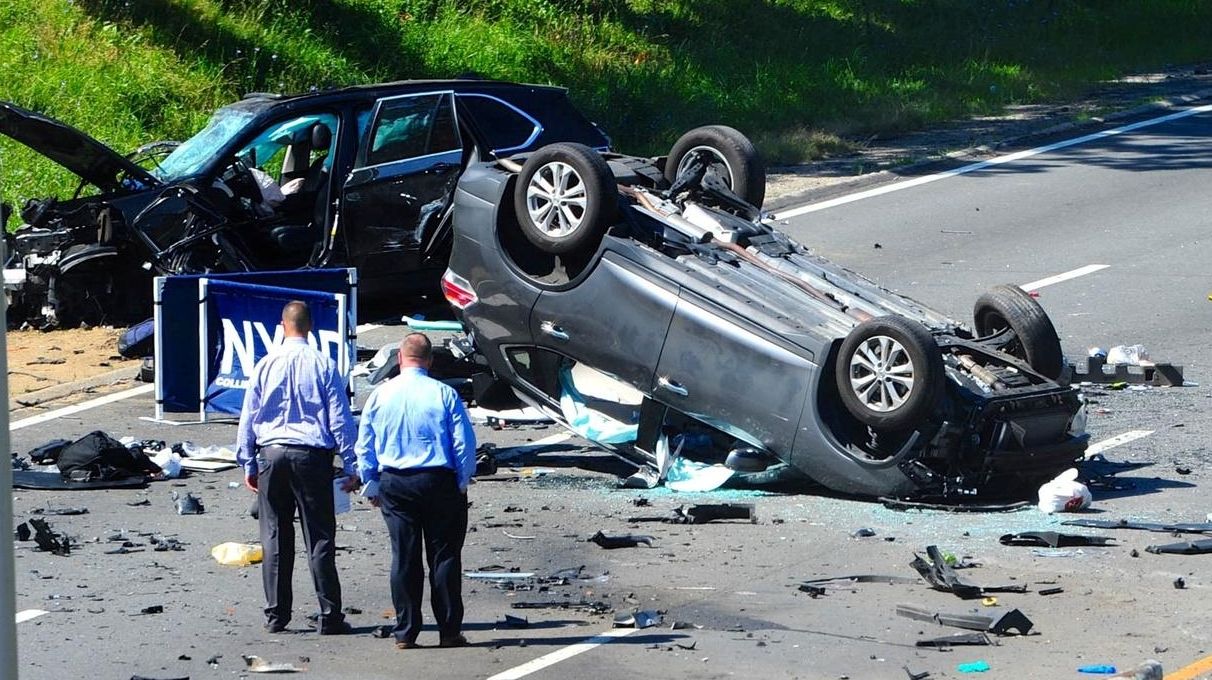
x=728, y=153
x=889, y=373
x=1034, y=337
x=565, y=198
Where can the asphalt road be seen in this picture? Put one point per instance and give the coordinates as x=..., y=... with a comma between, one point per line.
x=1137, y=203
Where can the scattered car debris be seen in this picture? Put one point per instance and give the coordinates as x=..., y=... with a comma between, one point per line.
x=1053, y=539
x=136, y=504
x=940, y=575
x=1096, y=371
x=847, y=581
x=1202, y=546
x=638, y=619
x=864, y=532
x=626, y=541
x=188, y=504
x=22, y=532
x=1097, y=669
x=702, y=514
x=166, y=544
x=915, y=676
x=1052, y=591
x=1149, y=670
x=1002, y=625
x=511, y=621
x=956, y=640
x=48, y=540
x=145, y=677
x=255, y=664
x=59, y=511
x=1175, y=528
x=597, y=607
x=153, y=609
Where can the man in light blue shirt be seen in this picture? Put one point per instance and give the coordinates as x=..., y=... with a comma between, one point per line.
x=295, y=417
x=416, y=454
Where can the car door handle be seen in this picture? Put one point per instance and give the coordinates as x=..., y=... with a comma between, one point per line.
x=550, y=328
x=672, y=386
x=439, y=168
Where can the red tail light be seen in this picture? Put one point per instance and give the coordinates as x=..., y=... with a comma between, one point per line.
x=458, y=290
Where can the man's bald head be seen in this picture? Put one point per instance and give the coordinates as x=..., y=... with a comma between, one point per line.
x=296, y=319
x=416, y=351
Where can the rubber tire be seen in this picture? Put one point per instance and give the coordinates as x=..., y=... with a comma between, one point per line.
x=748, y=171
x=1010, y=306
x=601, y=202
x=927, y=366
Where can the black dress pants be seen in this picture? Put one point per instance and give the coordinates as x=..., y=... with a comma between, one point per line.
x=290, y=478
x=425, y=505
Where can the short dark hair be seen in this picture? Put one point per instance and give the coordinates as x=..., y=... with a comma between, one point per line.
x=297, y=314
x=417, y=346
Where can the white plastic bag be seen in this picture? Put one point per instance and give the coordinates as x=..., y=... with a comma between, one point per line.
x=168, y=461
x=1064, y=494
x=1128, y=355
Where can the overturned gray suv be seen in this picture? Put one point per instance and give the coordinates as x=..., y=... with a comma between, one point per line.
x=647, y=301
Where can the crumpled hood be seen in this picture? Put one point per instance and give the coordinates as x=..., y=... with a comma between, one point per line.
x=84, y=156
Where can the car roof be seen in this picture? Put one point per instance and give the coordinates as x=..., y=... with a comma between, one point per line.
x=378, y=90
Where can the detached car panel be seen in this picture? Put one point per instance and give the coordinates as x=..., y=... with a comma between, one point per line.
x=360, y=176
x=681, y=321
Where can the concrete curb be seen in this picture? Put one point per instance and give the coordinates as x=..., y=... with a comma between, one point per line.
x=1024, y=140
x=42, y=396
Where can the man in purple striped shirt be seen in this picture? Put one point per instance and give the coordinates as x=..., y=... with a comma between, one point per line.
x=295, y=418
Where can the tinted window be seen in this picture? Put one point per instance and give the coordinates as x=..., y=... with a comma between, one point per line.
x=504, y=126
x=412, y=126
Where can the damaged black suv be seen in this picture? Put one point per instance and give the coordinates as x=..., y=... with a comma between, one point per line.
x=360, y=176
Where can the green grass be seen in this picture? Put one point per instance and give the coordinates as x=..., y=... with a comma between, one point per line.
x=803, y=77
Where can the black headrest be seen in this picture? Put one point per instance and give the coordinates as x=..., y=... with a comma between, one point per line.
x=321, y=137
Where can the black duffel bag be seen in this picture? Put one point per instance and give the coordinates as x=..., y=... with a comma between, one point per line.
x=97, y=456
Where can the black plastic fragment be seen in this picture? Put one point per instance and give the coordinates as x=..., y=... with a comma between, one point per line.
x=614, y=542
x=916, y=676
x=48, y=540
x=1202, y=546
x=1051, y=591
x=1176, y=528
x=941, y=576
x=1011, y=620
x=154, y=609
x=1053, y=539
x=22, y=532
x=957, y=640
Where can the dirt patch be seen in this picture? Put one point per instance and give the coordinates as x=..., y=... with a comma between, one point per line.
x=37, y=360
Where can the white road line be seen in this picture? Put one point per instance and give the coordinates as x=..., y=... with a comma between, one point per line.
x=1080, y=271
x=562, y=654
x=362, y=328
x=1118, y=440
x=82, y=406
x=918, y=181
x=28, y=614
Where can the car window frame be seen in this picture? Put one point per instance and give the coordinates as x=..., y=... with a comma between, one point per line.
x=536, y=126
x=364, y=143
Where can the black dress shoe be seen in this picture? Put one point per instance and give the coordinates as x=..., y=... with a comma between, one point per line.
x=275, y=628
x=342, y=628
x=456, y=641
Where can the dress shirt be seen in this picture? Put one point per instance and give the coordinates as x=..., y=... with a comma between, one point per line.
x=295, y=398
x=413, y=421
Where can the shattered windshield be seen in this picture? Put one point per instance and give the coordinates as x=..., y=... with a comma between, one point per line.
x=193, y=155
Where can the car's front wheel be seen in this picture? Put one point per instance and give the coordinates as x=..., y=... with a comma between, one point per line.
x=889, y=373
x=1033, y=338
x=565, y=198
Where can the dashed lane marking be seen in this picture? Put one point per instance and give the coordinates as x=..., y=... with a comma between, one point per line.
x=82, y=406
x=28, y=614
x=1080, y=271
x=1008, y=158
x=1118, y=440
x=562, y=654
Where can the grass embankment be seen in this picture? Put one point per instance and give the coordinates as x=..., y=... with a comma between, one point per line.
x=801, y=76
